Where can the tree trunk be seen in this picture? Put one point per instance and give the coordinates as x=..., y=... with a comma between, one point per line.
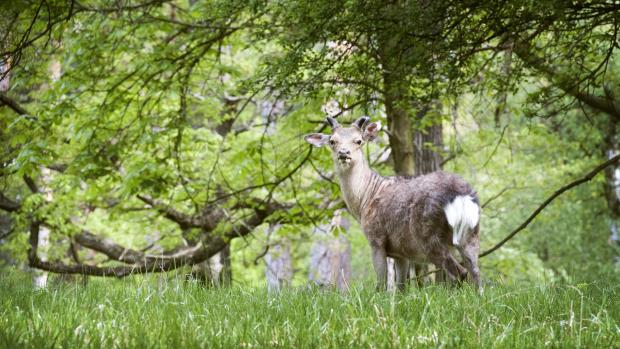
x=278, y=263
x=330, y=255
x=426, y=143
x=216, y=271
x=397, y=104
x=501, y=107
x=39, y=278
x=5, y=230
x=5, y=74
x=399, y=126
x=612, y=188
x=226, y=273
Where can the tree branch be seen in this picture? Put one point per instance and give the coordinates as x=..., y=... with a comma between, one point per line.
x=557, y=193
x=566, y=83
x=139, y=262
x=120, y=253
x=501, y=192
x=11, y=103
x=7, y=223
x=7, y=204
x=185, y=221
x=146, y=264
x=31, y=184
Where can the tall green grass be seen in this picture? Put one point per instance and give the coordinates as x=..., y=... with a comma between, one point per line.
x=154, y=312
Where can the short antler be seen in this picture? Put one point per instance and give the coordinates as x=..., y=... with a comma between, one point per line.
x=332, y=122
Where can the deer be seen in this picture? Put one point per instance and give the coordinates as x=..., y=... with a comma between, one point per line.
x=421, y=219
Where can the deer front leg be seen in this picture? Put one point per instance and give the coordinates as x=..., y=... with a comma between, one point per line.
x=379, y=262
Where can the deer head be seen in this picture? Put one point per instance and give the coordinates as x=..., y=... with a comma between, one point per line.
x=346, y=142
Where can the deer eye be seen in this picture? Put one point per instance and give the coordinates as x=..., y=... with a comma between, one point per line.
x=332, y=142
x=358, y=142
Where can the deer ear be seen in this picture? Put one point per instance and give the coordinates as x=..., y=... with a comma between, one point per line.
x=317, y=139
x=359, y=123
x=371, y=131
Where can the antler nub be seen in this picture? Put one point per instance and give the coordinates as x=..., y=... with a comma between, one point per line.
x=332, y=122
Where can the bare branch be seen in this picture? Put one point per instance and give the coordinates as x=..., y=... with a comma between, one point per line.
x=7, y=204
x=605, y=104
x=31, y=184
x=139, y=262
x=185, y=221
x=126, y=255
x=7, y=234
x=501, y=192
x=58, y=167
x=146, y=264
x=499, y=141
x=557, y=193
x=11, y=103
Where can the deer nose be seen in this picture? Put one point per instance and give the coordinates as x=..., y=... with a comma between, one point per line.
x=343, y=153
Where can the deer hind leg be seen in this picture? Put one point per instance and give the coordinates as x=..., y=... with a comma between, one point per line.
x=401, y=265
x=469, y=253
x=420, y=273
x=442, y=258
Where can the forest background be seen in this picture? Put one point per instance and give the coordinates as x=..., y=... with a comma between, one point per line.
x=151, y=136
x=166, y=138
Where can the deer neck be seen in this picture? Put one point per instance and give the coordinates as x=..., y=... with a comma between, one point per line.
x=358, y=184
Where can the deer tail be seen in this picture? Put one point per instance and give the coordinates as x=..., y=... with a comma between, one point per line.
x=463, y=214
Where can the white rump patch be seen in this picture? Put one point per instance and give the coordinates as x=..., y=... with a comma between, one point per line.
x=463, y=215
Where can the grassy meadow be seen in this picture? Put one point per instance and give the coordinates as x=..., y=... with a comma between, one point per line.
x=158, y=312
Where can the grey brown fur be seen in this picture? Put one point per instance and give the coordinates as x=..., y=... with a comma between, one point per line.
x=402, y=217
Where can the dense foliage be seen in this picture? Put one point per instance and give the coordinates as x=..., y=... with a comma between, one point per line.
x=180, y=123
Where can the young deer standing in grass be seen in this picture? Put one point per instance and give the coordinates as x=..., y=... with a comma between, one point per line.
x=406, y=218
